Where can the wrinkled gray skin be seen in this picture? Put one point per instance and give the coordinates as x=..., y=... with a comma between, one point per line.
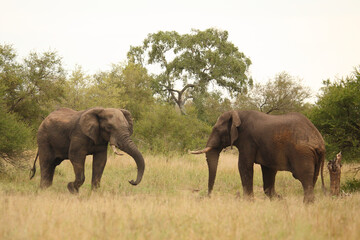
x=278, y=143
x=69, y=134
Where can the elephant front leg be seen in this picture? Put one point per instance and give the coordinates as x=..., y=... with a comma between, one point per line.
x=246, y=171
x=269, y=182
x=78, y=166
x=99, y=162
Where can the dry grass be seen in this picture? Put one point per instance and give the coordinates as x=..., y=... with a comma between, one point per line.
x=171, y=203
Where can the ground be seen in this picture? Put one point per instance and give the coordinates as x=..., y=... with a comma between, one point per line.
x=171, y=203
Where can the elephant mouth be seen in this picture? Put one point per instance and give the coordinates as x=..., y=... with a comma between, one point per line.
x=115, y=150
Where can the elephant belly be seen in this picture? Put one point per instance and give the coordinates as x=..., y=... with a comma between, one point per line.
x=278, y=161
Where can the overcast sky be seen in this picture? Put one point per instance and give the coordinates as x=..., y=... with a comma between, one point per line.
x=310, y=39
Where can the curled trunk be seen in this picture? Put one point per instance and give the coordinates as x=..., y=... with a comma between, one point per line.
x=212, y=158
x=131, y=149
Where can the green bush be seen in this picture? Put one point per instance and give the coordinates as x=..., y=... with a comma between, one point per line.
x=15, y=138
x=352, y=185
x=162, y=130
x=336, y=115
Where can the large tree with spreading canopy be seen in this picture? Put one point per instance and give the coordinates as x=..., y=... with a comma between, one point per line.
x=185, y=65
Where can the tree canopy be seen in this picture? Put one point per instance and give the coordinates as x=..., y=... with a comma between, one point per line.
x=337, y=115
x=188, y=63
x=281, y=95
x=33, y=86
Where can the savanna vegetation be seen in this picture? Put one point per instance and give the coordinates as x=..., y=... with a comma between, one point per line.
x=175, y=85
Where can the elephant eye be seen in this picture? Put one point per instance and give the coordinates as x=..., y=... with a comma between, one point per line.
x=108, y=128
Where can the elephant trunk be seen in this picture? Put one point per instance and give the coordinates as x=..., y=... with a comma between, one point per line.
x=212, y=158
x=131, y=149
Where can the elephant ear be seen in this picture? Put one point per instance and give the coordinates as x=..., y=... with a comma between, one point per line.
x=234, y=133
x=89, y=123
x=129, y=118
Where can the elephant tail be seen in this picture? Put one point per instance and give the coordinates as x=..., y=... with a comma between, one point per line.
x=321, y=161
x=33, y=170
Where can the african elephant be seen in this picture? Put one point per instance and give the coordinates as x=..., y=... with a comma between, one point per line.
x=287, y=142
x=69, y=134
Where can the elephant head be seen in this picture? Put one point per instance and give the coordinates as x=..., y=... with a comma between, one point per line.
x=224, y=134
x=114, y=126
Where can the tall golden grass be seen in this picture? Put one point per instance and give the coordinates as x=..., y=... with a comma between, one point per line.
x=171, y=203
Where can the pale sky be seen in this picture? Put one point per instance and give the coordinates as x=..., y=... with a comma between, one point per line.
x=313, y=40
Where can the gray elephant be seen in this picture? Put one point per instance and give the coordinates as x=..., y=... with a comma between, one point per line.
x=69, y=134
x=287, y=142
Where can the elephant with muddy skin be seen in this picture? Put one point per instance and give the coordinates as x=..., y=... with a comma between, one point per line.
x=69, y=134
x=287, y=142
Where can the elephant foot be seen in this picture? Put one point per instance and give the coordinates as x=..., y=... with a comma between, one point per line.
x=45, y=184
x=276, y=197
x=95, y=187
x=309, y=199
x=249, y=197
x=72, y=188
x=271, y=194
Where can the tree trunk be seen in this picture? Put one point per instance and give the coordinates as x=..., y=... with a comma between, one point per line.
x=334, y=167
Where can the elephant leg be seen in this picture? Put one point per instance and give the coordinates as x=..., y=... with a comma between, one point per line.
x=47, y=166
x=308, y=186
x=269, y=181
x=78, y=166
x=246, y=171
x=99, y=162
x=305, y=174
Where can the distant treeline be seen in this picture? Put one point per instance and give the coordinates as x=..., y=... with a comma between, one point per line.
x=198, y=76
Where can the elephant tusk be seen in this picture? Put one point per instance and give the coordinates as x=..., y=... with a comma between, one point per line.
x=205, y=150
x=115, y=150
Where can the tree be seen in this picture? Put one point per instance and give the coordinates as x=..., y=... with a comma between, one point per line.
x=15, y=135
x=34, y=87
x=336, y=114
x=137, y=86
x=124, y=86
x=188, y=63
x=281, y=95
x=104, y=90
x=78, y=83
x=209, y=106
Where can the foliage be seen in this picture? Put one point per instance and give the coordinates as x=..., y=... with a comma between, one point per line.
x=281, y=95
x=75, y=96
x=188, y=63
x=136, y=82
x=15, y=136
x=34, y=87
x=162, y=130
x=207, y=107
x=337, y=114
x=124, y=86
x=351, y=185
x=104, y=91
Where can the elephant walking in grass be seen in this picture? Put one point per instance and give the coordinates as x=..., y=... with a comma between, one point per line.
x=69, y=134
x=287, y=142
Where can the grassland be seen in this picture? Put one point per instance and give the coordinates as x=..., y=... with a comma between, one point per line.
x=171, y=203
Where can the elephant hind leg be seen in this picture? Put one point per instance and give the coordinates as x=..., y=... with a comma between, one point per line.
x=308, y=187
x=47, y=167
x=305, y=174
x=269, y=182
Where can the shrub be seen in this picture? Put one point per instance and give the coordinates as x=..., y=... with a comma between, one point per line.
x=15, y=137
x=351, y=185
x=162, y=130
